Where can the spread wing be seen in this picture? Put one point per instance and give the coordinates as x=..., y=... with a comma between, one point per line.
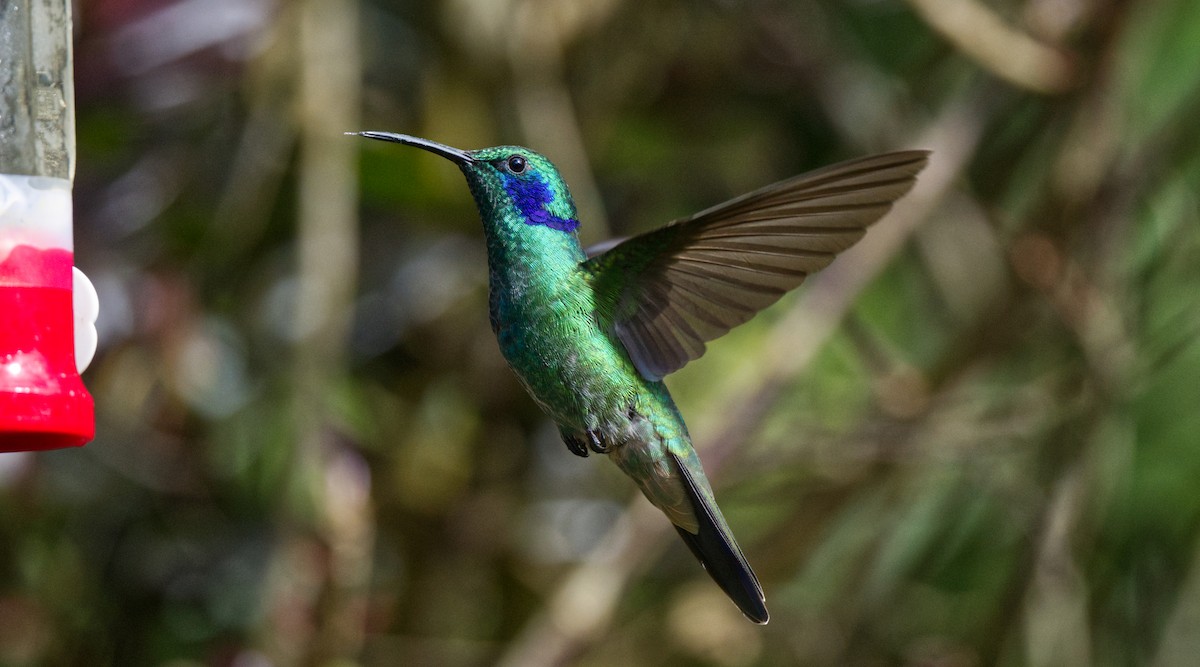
x=672, y=289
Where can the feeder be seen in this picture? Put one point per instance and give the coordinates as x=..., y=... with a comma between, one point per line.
x=43, y=403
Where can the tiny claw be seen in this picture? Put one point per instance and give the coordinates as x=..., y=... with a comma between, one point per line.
x=597, y=441
x=575, y=445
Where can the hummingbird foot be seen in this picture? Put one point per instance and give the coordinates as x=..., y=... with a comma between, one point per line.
x=575, y=445
x=597, y=441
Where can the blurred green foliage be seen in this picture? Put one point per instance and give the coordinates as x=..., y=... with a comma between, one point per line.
x=993, y=459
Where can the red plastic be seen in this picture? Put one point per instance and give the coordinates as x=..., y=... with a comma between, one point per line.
x=43, y=403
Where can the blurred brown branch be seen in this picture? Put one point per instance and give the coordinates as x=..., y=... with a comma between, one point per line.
x=327, y=478
x=1008, y=53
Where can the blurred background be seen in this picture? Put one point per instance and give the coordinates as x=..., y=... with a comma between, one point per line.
x=972, y=441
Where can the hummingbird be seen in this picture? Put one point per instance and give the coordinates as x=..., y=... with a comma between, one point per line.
x=592, y=335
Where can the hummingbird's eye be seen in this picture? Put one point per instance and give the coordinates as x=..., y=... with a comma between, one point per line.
x=516, y=164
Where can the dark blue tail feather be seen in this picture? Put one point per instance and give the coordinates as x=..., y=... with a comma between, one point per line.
x=721, y=556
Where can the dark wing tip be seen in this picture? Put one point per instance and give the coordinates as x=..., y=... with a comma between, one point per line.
x=909, y=163
x=917, y=158
x=722, y=558
x=913, y=154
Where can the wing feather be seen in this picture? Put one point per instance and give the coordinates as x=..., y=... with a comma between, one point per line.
x=671, y=290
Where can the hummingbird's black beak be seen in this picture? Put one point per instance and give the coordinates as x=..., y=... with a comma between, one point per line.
x=455, y=155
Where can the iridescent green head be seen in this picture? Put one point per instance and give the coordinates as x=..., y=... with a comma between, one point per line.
x=506, y=178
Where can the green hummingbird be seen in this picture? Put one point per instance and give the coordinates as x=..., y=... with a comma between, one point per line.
x=591, y=337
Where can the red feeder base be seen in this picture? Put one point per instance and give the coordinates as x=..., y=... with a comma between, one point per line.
x=43, y=403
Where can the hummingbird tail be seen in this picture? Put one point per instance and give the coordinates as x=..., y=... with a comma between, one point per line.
x=714, y=546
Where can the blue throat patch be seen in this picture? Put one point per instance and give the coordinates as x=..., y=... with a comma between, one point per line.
x=532, y=196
